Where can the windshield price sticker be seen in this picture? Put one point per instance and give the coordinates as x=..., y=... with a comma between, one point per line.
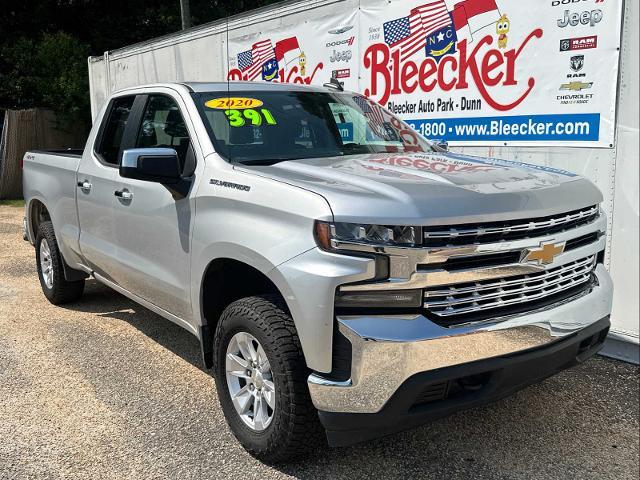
x=238, y=118
x=237, y=103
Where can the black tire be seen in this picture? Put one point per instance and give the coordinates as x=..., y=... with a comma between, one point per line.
x=295, y=429
x=61, y=291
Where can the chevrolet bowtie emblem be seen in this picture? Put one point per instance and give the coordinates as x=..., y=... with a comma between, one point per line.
x=575, y=86
x=544, y=254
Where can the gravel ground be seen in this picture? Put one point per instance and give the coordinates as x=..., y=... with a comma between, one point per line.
x=106, y=389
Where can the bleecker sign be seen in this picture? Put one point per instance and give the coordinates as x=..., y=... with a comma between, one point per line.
x=487, y=72
x=471, y=72
x=390, y=75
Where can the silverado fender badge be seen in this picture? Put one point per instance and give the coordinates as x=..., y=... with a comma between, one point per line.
x=222, y=183
x=544, y=254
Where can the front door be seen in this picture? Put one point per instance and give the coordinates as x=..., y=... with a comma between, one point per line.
x=153, y=225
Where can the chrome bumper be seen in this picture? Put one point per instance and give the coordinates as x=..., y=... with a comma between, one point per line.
x=387, y=350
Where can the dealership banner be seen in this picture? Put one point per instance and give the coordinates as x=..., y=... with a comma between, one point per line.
x=471, y=72
x=496, y=71
x=311, y=52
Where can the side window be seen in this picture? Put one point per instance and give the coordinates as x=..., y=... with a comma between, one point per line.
x=163, y=126
x=114, y=129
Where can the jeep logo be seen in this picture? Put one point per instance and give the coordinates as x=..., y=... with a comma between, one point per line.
x=585, y=18
x=343, y=56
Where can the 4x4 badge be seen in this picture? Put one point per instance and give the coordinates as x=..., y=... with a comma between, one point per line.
x=544, y=254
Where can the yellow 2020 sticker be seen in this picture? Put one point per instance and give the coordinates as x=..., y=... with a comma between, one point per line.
x=238, y=103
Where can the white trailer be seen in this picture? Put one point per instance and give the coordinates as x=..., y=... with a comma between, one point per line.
x=341, y=30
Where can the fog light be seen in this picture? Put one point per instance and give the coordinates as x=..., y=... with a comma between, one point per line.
x=405, y=298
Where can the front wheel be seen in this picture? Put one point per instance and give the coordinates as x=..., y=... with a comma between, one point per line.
x=51, y=271
x=261, y=379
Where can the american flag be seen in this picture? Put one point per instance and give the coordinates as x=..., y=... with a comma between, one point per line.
x=362, y=103
x=373, y=112
x=409, y=34
x=250, y=62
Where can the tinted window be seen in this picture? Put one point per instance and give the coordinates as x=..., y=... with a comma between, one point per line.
x=272, y=126
x=163, y=126
x=114, y=129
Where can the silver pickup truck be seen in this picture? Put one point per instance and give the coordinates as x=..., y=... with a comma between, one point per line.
x=344, y=275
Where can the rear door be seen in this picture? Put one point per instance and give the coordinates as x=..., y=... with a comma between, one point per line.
x=153, y=225
x=97, y=179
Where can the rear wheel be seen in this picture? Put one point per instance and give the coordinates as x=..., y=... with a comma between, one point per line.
x=50, y=269
x=261, y=378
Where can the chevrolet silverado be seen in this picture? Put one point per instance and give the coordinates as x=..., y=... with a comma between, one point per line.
x=346, y=278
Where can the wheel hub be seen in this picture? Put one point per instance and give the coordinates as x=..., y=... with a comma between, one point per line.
x=250, y=381
x=257, y=379
x=46, y=264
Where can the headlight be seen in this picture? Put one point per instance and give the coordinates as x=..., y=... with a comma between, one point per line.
x=328, y=234
x=362, y=239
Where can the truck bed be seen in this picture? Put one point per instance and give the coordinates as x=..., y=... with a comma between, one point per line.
x=49, y=177
x=63, y=152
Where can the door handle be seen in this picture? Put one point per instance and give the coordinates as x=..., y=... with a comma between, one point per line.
x=85, y=185
x=123, y=194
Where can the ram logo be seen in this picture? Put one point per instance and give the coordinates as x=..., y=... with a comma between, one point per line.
x=577, y=62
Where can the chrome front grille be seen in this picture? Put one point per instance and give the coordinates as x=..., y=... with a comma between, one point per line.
x=470, y=234
x=469, y=298
x=481, y=272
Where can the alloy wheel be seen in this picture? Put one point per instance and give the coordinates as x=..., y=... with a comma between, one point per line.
x=46, y=264
x=250, y=381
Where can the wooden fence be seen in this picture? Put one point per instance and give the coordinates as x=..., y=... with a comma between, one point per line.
x=24, y=130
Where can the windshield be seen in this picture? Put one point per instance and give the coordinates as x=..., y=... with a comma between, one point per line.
x=272, y=126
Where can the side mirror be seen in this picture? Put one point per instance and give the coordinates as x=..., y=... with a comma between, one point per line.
x=159, y=165
x=442, y=144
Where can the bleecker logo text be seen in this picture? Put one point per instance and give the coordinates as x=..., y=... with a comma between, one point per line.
x=392, y=76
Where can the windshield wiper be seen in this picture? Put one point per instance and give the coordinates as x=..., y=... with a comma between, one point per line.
x=352, y=148
x=266, y=161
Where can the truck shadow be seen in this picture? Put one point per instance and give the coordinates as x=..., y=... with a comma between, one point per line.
x=104, y=302
x=544, y=431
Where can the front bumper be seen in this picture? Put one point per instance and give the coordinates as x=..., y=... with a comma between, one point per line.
x=387, y=351
x=477, y=383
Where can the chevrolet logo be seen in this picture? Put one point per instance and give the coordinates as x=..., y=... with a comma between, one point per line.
x=544, y=254
x=575, y=86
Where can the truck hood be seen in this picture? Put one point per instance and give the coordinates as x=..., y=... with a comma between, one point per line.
x=434, y=188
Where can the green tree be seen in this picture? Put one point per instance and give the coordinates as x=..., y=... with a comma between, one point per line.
x=49, y=71
x=44, y=44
